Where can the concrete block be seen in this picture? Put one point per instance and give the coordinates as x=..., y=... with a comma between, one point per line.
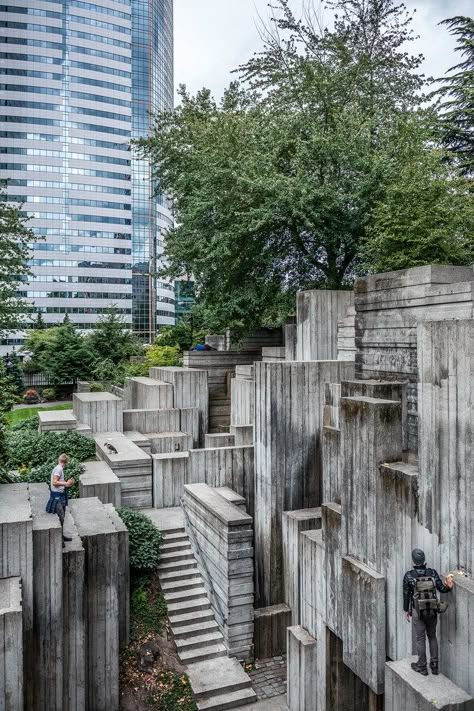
x=56, y=420
x=140, y=440
x=313, y=583
x=189, y=419
x=101, y=543
x=293, y=524
x=74, y=619
x=216, y=342
x=46, y=674
x=363, y=623
x=318, y=313
x=170, y=474
x=273, y=353
x=190, y=390
x=123, y=575
x=406, y=690
x=331, y=527
x=242, y=395
x=131, y=465
x=148, y=394
x=270, y=630
x=290, y=341
x=289, y=399
x=84, y=430
x=103, y=412
x=152, y=420
x=220, y=439
x=243, y=435
x=11, y=645
x=170, y=442
x=232, y=497
x=301, y=670
x=99, y=480
x=457, y=634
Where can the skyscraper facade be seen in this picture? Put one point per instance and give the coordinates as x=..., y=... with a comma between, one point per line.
x=78, y=81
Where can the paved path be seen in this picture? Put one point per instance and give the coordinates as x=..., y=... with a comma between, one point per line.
x=43, y=404
x=278, y=703
x=269, y=677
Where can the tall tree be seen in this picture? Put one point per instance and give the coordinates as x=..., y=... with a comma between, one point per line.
x=15, y=238
x=457, y=96
x=66, y=354
x=40, y=324
x=274, y=188
x=112, y=338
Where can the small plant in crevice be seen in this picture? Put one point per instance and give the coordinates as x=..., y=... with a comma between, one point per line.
x=148, y=610
x=174, y=693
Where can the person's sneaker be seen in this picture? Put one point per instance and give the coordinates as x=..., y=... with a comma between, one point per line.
x=67, y=539
x=421, y=670
x=434, y=669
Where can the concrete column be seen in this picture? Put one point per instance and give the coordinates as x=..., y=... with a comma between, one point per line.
x=190, y=387
x=170, y=474
x=242, y=400
x=148, y=394
x=457, y=634
x=99, y=480
x=123, y=575
x=302, y=661
x=446, y=426
x=103, y=412
x=11, y=645
x=317, y=317
x=145, y=421
x=225, y=466
x=290, y=341
x=288, y=456
x=270, y=630
x=331, y=527
x=293, y=524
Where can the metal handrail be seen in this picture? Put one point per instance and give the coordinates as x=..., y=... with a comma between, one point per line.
x=207, y=575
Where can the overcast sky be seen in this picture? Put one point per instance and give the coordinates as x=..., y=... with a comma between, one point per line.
x=212, y=37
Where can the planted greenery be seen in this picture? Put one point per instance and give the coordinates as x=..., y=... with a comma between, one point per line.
x=26, y=448
x=42, y=474
x=148, y=611
x=144, y=540
x=174, y=693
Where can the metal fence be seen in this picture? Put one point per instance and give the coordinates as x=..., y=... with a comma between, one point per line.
x=34, y=380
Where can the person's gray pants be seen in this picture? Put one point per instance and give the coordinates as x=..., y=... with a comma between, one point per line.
x=60, y=511
x=422, y=630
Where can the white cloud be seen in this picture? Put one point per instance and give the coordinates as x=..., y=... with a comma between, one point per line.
x=212, y=37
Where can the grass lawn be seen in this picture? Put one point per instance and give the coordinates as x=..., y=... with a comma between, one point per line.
x=16, y=416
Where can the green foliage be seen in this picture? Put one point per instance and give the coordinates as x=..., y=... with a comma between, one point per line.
x=96, y=387
x=274, y=188
x=32, y=449
x=112, y=341
x=106, y=371
x=7, y=400
x=14, y=371
x=155, y=357
x=174, y=693
x=30, y=423
x=144, y=540
x=49, y=393
x=66, y=354
x=188, y=331
x=42, y=474
x=14, y=251
x=35, y=346
x=457, y=96
x=40, y=324
x=148, y=611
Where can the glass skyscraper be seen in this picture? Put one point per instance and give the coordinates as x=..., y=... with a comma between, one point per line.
x=79, y=80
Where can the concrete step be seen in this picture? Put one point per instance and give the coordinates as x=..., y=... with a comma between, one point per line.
x=170, y=532
x=213, y=678
x=176, y=536
x=175, y=546
x=177, y=565
x=182, y=619
x=228, y=700
x=195, y=630
x=186, y=583
x=199, y=641
x=204, y=653
x=185, y=554
x=180, y=608
x=179, y=575
x=181, y=595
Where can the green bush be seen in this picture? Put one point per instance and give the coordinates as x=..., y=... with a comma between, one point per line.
x=27, y=448
x=31, y=423
x=148, y=611
x=42, y=473
x=96, y=388
x=49, y=394
x=144, y=540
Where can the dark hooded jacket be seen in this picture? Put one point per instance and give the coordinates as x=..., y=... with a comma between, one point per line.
x=409, y=581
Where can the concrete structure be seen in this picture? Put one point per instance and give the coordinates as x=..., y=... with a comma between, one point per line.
x=169, y=442
x=151, y=420
x=243, y=396
x=11, y=645
x=220, y=439
x=303, y=650
x=100, y=481
x=170, y=474
x=56, y=421
x=148, y=394
x=190, y=387
x=103, y=412
x=130, y=464
x=318, y=315
x=243, y=435
x=293, y=524
x=271, y=624
x=87, y=196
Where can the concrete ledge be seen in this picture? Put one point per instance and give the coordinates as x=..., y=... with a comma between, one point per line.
x=301, y=670
x=169, y=442
x=99, y=480
x=103, y=412
x=220, y=439
x=231, y=496
x=56, y=420
x=151, y=420
x=11, y=645
x=406, y=690
x=243, y=435
x=270, y=630
x=293, y=524
x=143, y=393
x=140, y=440
x=131, y=465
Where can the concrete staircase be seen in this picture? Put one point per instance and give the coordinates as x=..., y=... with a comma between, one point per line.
x=218, y=682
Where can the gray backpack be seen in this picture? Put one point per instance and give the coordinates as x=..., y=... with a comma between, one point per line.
x=426, y=599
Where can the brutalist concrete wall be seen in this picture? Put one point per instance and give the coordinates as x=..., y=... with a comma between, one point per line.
x=317, y=318
x=242, y=394
x=388, y=309
x=103, y=412
x=457, y=635
x=288, y=456
x=11, y=645
x=148, y=394
x=301, y=670
x=293, y=523
x=152, y=421
x=221, y=535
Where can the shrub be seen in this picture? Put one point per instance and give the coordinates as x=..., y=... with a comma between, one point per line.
x=96, y=388
x=49, y=394
x=25, y=447
x=144, y=540
x=31, y=396
x=31, y=423
x=42, y=473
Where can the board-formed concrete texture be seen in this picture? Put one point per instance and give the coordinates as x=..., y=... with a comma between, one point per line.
x=170, y=474
x=152, y=420
x=243, y=435
x=219, y=439
x=99, y=480
x=103, y=412
x=270, y=630
x=242, y=394
x=56, y=420
x=47, y=671
x=11, y=645
x=148, y=394
x=457, y=634
x=294, y=523
x=317, y=316
x=101, y=543
x=288, y=455
x=131, y=465
x=302, y=655
x=363, y=622
x=140, y=440
x=170, y=442
x=405, y=690
x=221, y=536
x=190, y=387
x=123, y=575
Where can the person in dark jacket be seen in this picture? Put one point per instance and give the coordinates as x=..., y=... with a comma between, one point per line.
x=423, y=627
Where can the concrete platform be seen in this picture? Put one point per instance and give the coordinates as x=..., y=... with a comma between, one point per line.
x=131, y=465
x=99, y=480
x=142, y=393
x=56, y=420
x=169, y=442
x=103, y=412
x=140, y=440
x=406, y=690
x=219, y=681
x=166, y=519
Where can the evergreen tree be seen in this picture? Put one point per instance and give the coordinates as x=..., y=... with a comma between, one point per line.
x=7, y=400
x=457, y=93
x=66, y=354
x=112, y=339
x=15, y=371
x=40, y=324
